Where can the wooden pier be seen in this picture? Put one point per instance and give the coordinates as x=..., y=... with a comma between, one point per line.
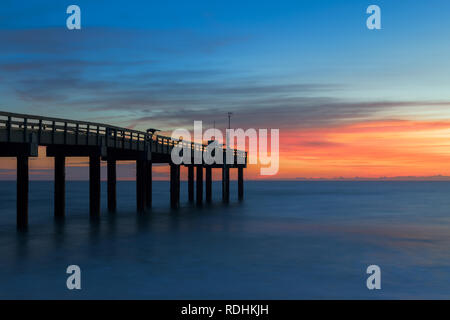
x=20, y=136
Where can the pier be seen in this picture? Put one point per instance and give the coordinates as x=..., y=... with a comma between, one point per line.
x=21, y=135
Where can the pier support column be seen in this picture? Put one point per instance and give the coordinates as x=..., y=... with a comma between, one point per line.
x=240, y=183
x=225, y=184
x=60, y=186
x=141, y=175
x=94, y=185
x=174, y=186
x=22, y=192
x=191, y=183
x=149, y=185
x=112, y=185
x=199, y=185
x=208, y=171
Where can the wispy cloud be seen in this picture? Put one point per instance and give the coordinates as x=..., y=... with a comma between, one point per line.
x=175, y=98
x=57, y=41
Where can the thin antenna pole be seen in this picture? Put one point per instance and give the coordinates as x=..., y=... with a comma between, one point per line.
x=229, y=127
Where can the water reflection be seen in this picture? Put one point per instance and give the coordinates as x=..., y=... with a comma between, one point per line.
x=291, y=246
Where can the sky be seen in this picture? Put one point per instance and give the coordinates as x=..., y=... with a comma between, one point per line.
x=348, y=101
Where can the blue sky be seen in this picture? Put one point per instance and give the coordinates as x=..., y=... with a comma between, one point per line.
x=274, y=63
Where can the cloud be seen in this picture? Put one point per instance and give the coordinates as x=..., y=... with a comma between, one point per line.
x=281, y=112
x=175, y=98
x=60, y=41
x=318, y=143
x=138, y=79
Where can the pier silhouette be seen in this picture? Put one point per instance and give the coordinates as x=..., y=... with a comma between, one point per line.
x=21, y=135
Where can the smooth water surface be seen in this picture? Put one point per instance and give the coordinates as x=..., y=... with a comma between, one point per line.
x=286, y=240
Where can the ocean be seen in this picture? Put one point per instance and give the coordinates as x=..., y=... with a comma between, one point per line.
x=286, y=240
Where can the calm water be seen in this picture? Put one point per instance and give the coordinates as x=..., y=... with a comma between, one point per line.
x=289, y=240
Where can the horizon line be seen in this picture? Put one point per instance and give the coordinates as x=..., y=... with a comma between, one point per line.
x=298, y=179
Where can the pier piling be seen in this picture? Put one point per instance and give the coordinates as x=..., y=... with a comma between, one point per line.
x=225, y=184
x=22, y=192
x=141, y=175
x=94, y=186
x=60, y=186
x=112, y=184
x=149, y=185
x=191, y=183
x=208, y=184
x=174, y=186
x=199, y=185
x=240, y=183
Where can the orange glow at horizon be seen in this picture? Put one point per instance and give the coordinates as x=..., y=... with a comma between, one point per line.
x=370, y=149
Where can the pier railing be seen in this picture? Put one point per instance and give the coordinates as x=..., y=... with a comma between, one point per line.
x=23, y=128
